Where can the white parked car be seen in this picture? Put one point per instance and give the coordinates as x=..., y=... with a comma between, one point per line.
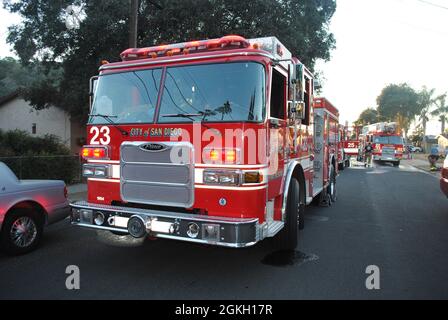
x=26, y=206
x=416, y=149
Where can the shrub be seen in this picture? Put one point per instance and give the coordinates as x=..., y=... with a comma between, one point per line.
x=38, y=157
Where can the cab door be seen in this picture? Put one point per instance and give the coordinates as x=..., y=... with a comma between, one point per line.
x=277, y=128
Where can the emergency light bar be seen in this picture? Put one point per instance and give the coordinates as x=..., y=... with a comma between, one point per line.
x=226, y=42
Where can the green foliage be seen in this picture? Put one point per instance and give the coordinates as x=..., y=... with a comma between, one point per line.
x=425, y=102
x=12, y=76
x=367, y=116
x=399, y=103
x=38, y=83
x=301, y=25
x=417, y=136
x=441, y=110
x=37, y=158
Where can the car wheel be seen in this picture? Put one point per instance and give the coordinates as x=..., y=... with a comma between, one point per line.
x=288, y=236
x=21, y=231
x=397, y=164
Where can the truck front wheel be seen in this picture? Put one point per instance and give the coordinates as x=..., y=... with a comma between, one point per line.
x=287, y=237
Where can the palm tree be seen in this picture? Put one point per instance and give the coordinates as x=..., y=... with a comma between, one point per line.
x=441, y=110
x=426, y=101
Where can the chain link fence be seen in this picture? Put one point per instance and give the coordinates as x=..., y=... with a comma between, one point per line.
x=67, y=168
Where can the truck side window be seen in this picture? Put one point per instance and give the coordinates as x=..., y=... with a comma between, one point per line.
x=277, y=108
x=307, y=97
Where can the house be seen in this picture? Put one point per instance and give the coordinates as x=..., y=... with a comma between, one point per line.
x=428, y=141
x=442, y=140
x=16, y=113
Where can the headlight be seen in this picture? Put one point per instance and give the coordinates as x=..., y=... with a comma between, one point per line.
x=222, y=177
x=100, y=171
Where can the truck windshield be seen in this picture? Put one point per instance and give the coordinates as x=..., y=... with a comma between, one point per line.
x=214, y=93
x=127, y=97
x=388, y=140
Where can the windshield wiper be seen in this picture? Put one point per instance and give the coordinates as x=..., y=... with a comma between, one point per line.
x=108, y=119
x=183, y=115
x=191, y=116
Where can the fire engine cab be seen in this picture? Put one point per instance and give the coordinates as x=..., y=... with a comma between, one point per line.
x=214, y=142
x=387, y=141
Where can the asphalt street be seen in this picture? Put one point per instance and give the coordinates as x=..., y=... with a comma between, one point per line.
x=393, y=218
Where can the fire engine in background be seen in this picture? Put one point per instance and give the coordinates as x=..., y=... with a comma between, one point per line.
x=351, y=141
x=387, y=141
x=207, y=141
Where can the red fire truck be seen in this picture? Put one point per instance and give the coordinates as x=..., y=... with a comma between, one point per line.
x=387, y=141
x=351, y=141
x=208, y=141
x=331, y=146
x=343, y=157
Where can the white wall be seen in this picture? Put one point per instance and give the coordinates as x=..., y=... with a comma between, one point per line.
x=17, y=114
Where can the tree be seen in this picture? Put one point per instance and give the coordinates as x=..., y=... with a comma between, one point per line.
x=368, y=116
x=425, y=102
x=441, y=110
x=399, y=103
x=103, y=34
x=12, y=76
x=417, y=136
x=36, y=82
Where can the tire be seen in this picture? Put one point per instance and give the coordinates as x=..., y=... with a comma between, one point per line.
x=332, y=191
x=396, y=163
x=288, y=237
x=21, y=231
x=341, y=166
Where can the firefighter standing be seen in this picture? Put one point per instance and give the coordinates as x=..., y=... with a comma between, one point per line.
x=433, y=157
x=368, y=154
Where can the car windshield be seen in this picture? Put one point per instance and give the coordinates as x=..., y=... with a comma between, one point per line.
x=214, y=93
x=127, y=97
x=388, y=140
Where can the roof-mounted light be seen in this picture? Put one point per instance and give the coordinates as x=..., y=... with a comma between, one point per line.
x=226, y=42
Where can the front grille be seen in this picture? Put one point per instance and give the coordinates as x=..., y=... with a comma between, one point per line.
x=157, y=176
x=388, y=152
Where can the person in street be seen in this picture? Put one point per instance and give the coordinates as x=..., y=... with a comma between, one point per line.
x=433, y=157
x=368, y=149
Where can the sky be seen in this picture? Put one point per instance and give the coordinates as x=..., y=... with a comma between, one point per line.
x=378, y=42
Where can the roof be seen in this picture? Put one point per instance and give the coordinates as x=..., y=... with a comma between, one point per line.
x=9, y=97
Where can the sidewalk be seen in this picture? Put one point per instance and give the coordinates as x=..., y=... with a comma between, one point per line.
x=420, y=161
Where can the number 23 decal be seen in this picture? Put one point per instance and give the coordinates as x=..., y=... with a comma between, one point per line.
x=100, y=135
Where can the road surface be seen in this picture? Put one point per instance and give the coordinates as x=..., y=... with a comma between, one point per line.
x=392, y=218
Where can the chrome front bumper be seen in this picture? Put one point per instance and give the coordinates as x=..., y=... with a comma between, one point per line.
x=227, y=232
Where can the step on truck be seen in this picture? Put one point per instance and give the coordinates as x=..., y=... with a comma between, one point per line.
x=208, y=141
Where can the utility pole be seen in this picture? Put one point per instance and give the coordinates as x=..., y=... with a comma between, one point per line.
x=133, y=24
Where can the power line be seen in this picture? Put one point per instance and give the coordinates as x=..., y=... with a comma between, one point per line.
x=433, y=4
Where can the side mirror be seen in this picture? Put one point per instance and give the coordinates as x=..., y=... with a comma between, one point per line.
x=92, y=88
